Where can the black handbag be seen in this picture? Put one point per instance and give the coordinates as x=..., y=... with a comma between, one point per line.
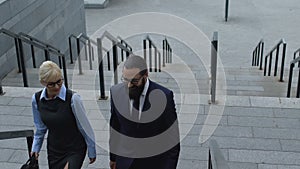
x=32, y=163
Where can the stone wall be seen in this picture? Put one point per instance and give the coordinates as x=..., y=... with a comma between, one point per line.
x=51, y=21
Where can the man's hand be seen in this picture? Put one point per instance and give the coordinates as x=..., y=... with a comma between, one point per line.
x=112, y=164
x=92, y=160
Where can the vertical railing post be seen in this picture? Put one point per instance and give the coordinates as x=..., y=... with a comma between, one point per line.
x=155, y=59
x=65, y=70
x=298, y=85
x=108, y=60
x=145, y=48
x=70, y=49
x=78, y=55
x=226, y=9
x=122, y=51
x=261, y=55
x=150, y=55
x=59, y=60
x=265, y=68
x=276, y=60
x=90, y=54
x=164, y=53
x=159, y=62
x=101, y=72
x=282, y=62
x=93, y=55
x=22, y=62
x=1, y=89
x=167, y=52
x=29, y=144
x=214, y=55
x=47, y=54
x=257, y=56
x=253, y=57
x=209, y=160
x=270, y=64
x=18, y=55
x=290, y=80
x=85, y=50
x=32, y=55
x=115, y=62
x=171, y=55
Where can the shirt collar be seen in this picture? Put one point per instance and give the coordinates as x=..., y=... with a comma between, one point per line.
x=146, y=87
x=61, y=95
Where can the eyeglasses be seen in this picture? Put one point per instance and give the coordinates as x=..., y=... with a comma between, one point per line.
x=132, y=81
x=52, y=84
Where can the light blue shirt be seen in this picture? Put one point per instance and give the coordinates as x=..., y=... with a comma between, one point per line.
x=81, y=121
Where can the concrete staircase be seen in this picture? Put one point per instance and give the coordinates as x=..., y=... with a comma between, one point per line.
x=242, y=81
x=256, y=128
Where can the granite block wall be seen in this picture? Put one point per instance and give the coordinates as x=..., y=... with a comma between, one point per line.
x=51, y=21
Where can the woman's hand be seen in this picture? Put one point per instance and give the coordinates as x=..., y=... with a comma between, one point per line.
x=35, y=154
x=112, y=164
x=92, y=160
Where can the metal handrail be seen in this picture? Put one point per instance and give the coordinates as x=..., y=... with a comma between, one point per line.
x=15, y=36
x=47, y=51
x=1, y=89
x=115, y=44
x=82, y=38
x=292, y=65
x=4, y=135
x=214, y=65
x=156, y=54
x=167, y=55
x=257, y=58
x=48, y=46
x=295, y=55
x=126, y=45
x=20, y=54
x=269, y=55
x=215, y=158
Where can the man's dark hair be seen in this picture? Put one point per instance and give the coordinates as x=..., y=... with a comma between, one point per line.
x=135, y=61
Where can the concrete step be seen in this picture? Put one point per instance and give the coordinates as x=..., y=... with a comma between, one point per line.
x=95, y=4
x=241, y=81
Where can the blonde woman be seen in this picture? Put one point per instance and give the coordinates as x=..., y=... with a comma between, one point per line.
x=60, y=111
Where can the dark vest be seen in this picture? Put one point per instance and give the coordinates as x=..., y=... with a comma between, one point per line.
x=63, y=133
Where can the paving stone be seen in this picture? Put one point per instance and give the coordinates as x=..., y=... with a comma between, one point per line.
x=267, y=157
x=183, y=164
x=276, y=133
x=21, y=102
x=193, y=153
x=247, y=143
x=251, y=121
x=290, y=145
x=265, y=102
x=249, y=112
x=235, y=165
x=287, y=123
x=5, y=165
x=5, y=154
x=16, y=120
x=237, y=101
x=231, y=131
x=251, y=88
x=11, y=110
x=287, y=113
x=14, y=144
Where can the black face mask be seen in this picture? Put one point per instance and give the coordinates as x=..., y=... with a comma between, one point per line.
x=136, y=91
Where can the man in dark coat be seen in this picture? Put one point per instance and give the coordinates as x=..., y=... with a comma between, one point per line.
x=144, y=130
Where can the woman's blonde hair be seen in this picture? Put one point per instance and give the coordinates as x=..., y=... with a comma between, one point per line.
x=49, y=70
